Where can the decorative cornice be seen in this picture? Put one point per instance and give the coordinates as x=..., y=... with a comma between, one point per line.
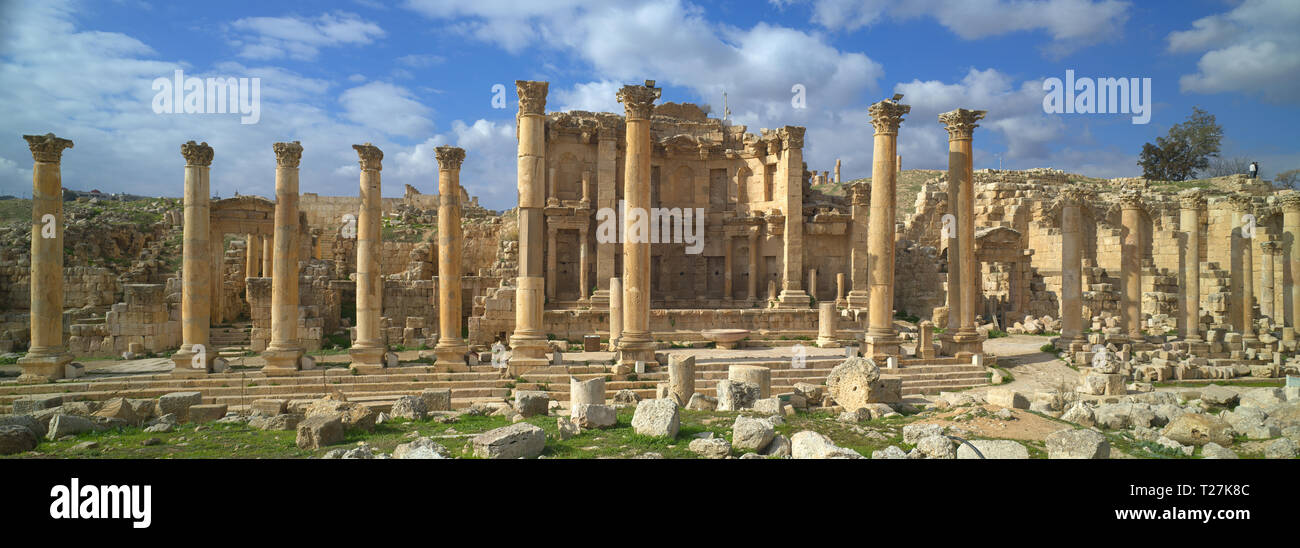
x=887, y=115
x=860, y=194
x=449, y=157
x=288, y=154
x=532, y=96
x=1131, y=200
x=1290, y=202
x=47, y=148
x=638, y=101
x=1074, y=195
x=1241, y=203
x=197, y=154
x=1191, y=199
x=370, y=156
x=792, y=137
x=960, y=123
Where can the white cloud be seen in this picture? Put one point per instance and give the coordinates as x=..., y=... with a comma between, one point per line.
x=300, y=37
x=386, y=108
x=1253, y=48
x=424, y=60
x=591, y=96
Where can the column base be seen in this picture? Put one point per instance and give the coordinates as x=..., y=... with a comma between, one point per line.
x=451, y=357
x=793, y=298
x=880, y=346
x=367, y=360
x=639, y=347
x=858, y=299
x=828, y=342
x=1288, y=334
x=43, y=369
x=184, y=361
x=961, y=343
x=281, y=363
x=600, y=299
x=526, y=353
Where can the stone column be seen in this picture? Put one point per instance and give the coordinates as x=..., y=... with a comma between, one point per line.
x=727, y=271
x=881, y=338
x=826, y=325
x=752, y=286
x=812, y=283
x=961, y=124
x=283, y=353
x=252, y=256
x=860, y=292
x=606, y=198
x=839, y=290
x=837, y=170
x=528, y=343
x=1267, y=290
x=368, y=351
x=1072, y=199
x=217, y=263
x=268, y=246
x=1291, y=266
x=1189, y=221
x=552, y=262
x=637, y=343
x=1242, y=205
x=615, y=312
x=451, y=347
x=196, y=266
x=790, y=169
x=584, y=287
x=46, y=356
x=1131, y=266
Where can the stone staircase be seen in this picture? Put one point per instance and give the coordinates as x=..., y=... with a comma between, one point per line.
x=480, y=384
x=233, y=341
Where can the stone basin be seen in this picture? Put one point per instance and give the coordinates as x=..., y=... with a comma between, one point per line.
x=726, y=338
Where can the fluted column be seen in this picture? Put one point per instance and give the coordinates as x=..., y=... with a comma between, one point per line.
x=881, y=338
x=217, y=244
x=1267, y=290
x=46, y=355
x=1131, y=266
x=284, y=351
x=961, y=124
x=1291, y=272
x=268, y=248
x=252, y=255
x=584, y=287
x=751, y=286
x=1189, y=221
x=606, y=198
x=196, y=266
x=368, y=351
x=1072, y=199
x=859, y=279
x=528, y=343
x=790, y=169
x=615, y=312
x=727, y=270
x=552, y=262
x=636, y=343
x=451, y=347
x=1242, y=205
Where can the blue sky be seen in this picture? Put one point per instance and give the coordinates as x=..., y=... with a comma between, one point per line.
x=412, y=75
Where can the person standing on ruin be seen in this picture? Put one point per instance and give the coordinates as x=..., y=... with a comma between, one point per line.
x=1254, y=170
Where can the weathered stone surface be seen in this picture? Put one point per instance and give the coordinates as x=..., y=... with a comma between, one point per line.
x=269, y=407
x=710, y=448
x=207, y=412
x=1218, y=395
x=853, y=383
x=531, y=403
x=1079, y=414
x=317, y=431
x=811, y=392
x=588, y=391
x=768, y=406
x=700, y=402
x=119, y=408
x=993, y=449
x=657, y=418
x=1284, y=416
x=409, y=407
x=352, y=414
x=937, y=447
x=587, y=415
x=178, y=403
x=681, y=378
x=1262, y=398
x=812, y=445
x=1006, y=397
x=37, y=427
x=754, y=374
x=283, y=421
x=1215, y=451
x=1077, y=444
x=566, y=428
x=889, y=453
x=915, y=432
x=1281, y=448
x=626, y=397
x=750, y=433
x=734, y=396
x=30, y=404
x=436, y=399
x=421, y=448
x=779, y=447
x=519, y=440
x=15, y=438
x=1167, y=443
x=1199, y=429
x=1245, y=418
x=68, y=425
x=144, y=408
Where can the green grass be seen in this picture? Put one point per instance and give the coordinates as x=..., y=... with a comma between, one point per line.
x=997, y=334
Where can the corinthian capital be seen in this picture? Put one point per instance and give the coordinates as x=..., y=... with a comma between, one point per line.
x=47, y=148
x=1075, y=195
x=792, y=137
x=287, y=154
x=638, y=101
x=1241, y=203
x=1290, y=202
x=370, y=156
x=532, y=96
x=197, y=154
x=961, y=122
x=1191, y=199
x=450, y=157
x=887, y=115
x=1131, y=200
x=1270, y=247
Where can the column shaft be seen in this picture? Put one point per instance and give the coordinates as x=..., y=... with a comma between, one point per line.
x=636, y=343
x=752, y=282
x=528, y=343
x=451, y=346
x=196, y=265
x=284, y=351
x=368, y=350
x=881, y=338
x=46, y=355
x=1071, y=265
x=1131, y=266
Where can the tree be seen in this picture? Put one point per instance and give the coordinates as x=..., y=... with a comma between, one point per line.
x=1223, y=167
x=1185, y=150
x=1287, y=179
